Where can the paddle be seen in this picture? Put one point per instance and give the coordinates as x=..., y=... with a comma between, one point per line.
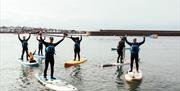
x=112, y=49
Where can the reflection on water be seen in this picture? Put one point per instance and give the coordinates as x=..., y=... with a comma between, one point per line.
x=76, y=73
x=133, y=86
x=119, y=77
x=159, y=58
x=119, y=71
x=25, y=76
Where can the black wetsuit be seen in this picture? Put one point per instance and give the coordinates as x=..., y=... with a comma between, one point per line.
x=76, y=47
x=120, y=47
x=40, y=46
x=135, y=54
x=49, y=58
x=24, y=46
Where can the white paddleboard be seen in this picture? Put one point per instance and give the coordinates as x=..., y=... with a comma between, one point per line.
x=27, y=63
x=133, y=76
x=57, y=84
x=127, y=62
x=39, y=56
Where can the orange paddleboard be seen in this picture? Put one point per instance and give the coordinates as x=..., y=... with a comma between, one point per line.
x=72, y=62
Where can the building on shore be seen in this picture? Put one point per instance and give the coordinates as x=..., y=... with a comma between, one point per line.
x=134, y=32
x=24, y=29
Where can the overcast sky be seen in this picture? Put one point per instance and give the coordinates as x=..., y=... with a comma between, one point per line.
x=92, y=14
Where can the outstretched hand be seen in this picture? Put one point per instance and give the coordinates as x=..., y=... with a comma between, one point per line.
x=125, y=36
x=65, y=34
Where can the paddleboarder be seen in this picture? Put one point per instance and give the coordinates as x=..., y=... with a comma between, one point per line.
x=31, y=57
x=40, y=46
x=134, y=52
x=77, y=42
x=120, y=49
x=49, y=56
x=24, y=43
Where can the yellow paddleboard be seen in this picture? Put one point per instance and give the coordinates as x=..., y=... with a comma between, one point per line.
x=72, y=62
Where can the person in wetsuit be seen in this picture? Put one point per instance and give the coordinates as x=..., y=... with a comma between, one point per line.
x=134, y=52
x=31, y=57
x=49, y=56
x=120, y=49
x=40, y=46
x=77, y=42
x=24, y=43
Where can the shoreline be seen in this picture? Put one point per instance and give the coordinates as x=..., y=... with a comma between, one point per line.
x=117, y=33
x=133, y=33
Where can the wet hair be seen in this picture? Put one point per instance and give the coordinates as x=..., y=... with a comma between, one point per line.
x=65, y=34
x=51, y=38
x=123, y=38
x=135, y=39
x=24, y=37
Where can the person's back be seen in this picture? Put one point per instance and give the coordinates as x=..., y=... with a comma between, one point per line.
x=121, y=45
x=77, y=42
x=24, y=43
x=120, y=48
x=40, y=46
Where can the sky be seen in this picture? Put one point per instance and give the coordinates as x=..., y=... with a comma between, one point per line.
x=92, y=14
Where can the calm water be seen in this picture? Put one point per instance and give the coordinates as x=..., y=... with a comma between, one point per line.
x=160, y=63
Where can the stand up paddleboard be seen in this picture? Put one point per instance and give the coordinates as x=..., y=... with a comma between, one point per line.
x=39, y=56
x=76, y=62
x=27, y=63
x=133, y=76
x=57, y=84
x=113, y=64
x=126, y=62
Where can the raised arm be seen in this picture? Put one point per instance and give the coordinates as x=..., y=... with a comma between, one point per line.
x=55, y=44
x=80, y=39
x=72, y=38
x=34, y=52
x=142, y=41
x=19, y=37
x=127, y=41
x=41, y=39
x=45, y=43
x=37, y=38
x=44, y=37
x=28, y=37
